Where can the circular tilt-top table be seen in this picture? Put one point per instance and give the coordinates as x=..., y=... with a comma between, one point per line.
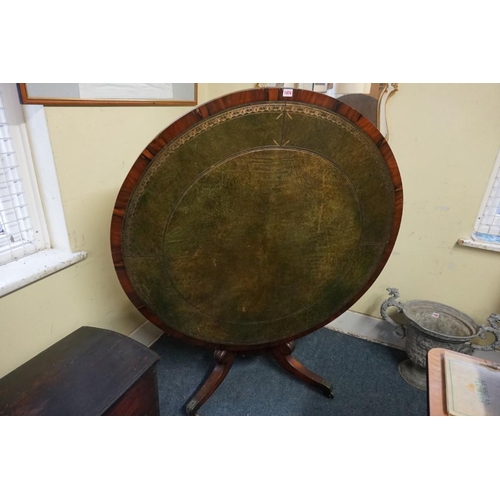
x=254, y=220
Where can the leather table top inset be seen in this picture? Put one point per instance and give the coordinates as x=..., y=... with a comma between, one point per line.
x=258, y=222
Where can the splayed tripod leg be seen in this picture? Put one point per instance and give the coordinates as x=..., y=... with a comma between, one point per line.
x=283, y=355
x=224, y=361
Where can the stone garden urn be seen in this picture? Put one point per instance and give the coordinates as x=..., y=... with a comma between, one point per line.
x=429, y=325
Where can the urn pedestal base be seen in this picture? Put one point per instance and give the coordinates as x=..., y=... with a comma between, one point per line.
x=413, y=374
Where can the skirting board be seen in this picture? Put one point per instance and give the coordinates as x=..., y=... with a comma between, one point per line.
x=350, y=323
x=147, y=334
x=367, y=328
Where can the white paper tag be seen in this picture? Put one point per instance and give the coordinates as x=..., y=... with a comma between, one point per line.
x=435, y=315
x=287, y=92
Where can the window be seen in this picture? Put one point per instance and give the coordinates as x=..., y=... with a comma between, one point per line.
x=33, y=236
x=22, y=227
x=486, y=233
x=487, y=227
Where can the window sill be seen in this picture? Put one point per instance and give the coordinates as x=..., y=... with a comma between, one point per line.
x=22, y=272
x=479, y=244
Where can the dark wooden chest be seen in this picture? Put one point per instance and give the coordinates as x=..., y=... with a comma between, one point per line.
x=90, y=372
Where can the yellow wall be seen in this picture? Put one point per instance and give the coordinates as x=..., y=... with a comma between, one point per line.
x=444, y=137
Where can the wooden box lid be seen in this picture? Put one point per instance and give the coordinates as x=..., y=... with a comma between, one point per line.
x=82, y=374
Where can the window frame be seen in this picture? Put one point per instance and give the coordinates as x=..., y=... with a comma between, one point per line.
x=489, y=193
x=19, y=138
x=477, y=239
x=39, y=178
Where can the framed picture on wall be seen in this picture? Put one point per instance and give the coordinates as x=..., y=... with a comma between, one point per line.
x=109, y=94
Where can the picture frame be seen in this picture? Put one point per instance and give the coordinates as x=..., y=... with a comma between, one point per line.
x=109, y=94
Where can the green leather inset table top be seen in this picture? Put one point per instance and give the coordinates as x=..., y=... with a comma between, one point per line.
x=256, y=218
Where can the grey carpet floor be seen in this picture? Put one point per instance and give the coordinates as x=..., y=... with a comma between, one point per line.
x=364, y=376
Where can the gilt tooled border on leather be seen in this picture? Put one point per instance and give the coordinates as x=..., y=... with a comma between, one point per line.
x=231, y=114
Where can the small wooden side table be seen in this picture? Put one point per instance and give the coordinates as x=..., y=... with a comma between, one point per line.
x=90, y=372
x=437, y=381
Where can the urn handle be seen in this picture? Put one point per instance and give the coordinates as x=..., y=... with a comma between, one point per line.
x=393, y=302
x=494, y=321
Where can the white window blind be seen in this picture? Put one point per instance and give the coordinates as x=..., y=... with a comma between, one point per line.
x=487, y=227
x=19, y=234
